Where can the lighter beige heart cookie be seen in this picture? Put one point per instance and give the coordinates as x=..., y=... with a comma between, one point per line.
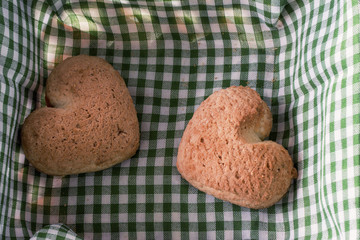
x=90, y=123
x=222, y=151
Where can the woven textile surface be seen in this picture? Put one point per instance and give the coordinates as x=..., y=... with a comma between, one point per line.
x=302, y=57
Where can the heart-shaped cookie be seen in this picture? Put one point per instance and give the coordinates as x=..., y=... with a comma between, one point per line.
x=222, y=151
x=90, y=122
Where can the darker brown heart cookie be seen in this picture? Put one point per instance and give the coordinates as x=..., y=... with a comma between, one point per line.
x=90, y=123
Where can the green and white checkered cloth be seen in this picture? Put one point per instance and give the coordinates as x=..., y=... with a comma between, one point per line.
x=302, y=57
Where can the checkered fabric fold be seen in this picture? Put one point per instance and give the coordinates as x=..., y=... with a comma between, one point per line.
x=55, y=232
x=302, y=57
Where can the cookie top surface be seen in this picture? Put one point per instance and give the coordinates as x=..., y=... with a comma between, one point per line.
x=222, y=151
x=90, y=123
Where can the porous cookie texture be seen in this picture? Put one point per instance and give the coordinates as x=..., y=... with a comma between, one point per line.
x=89, y=124
x=222, y=151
